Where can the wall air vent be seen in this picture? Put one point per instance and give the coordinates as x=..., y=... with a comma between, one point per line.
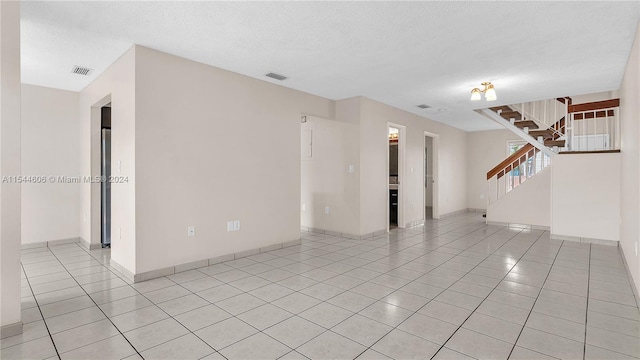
x=276, y=76
x=81, y=70
x=424, y=106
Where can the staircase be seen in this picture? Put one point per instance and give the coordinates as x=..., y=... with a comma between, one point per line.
x=550, y=136
x=550, y=127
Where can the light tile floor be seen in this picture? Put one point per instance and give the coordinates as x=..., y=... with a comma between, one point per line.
x=453, y=289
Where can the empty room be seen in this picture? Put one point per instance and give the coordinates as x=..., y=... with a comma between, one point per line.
x=319, y=180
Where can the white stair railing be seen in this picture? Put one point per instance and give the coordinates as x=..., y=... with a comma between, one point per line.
x=515, y=170
x=594, y=126
x=547, y=114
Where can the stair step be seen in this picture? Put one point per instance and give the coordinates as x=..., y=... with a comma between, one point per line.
x=503, y=108
x=511, y=115
x=526, y=123
x=545, y=133
x=552, y=143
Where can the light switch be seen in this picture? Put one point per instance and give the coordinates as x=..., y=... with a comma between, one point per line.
x=229, y=225
x=326, y=210
x=351, y=169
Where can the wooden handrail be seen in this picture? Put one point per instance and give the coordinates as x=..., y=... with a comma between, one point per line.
x=510, y=160
x=596, y=105
x=559, y=126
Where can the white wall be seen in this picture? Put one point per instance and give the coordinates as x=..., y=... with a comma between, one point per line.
x=50, y=147
x=529, y=203
x=451, y=165
x=10, y=166
x=630, y=161
x=118, y=86
x=485, y=149
x=586, y=196
x=586, y=98
x=213, y=146
x=325, y=178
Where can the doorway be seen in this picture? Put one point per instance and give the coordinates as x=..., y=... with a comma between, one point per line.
x=431, y=206
x=105, y=174
x=395, y=161
x=428, y=177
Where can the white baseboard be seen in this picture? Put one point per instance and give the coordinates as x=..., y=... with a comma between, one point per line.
x=518, y=226
x=170, y=270
x=477, y=210
x=11, y=330
x=450, y=214
x=636, y=294
x=344, y=235
x=584, y=240
x=59, y=242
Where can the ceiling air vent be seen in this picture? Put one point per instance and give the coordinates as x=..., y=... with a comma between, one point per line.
x=424, y=106
x=81, y=70
x=276, y=76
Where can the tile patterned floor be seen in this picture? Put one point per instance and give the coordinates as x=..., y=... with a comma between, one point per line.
x=453, y=289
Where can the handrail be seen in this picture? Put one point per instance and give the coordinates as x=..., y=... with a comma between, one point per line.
x=594, y=126
x=596, y=105
x=510, y=160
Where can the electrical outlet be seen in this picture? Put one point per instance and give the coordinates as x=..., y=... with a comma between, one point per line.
x=351, y=168
x=326, y=210
x=191, y=231
x=229, y=225
x=236, y=225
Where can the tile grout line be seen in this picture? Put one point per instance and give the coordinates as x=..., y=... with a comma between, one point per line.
x=376, y=300
x=535, y=301
x=586, y=310
x=494, y=288
x=444, y=289
x=41, y=314
x=317, y=267
x=103, y=313
x=410, y=235
x=365, y=281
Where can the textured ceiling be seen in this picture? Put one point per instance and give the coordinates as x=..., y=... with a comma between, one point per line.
x=400, y=53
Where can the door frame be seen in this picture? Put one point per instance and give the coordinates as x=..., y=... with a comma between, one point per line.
x=402, y=141
x=96, y=161
x=435, y=157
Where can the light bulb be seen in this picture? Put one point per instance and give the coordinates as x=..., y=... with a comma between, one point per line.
x=475, y=94
x=490, y=93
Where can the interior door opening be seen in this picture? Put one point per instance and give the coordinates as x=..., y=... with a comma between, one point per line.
x=105, y=173
x=431, y=199
x=428, y=177
x=393, y=177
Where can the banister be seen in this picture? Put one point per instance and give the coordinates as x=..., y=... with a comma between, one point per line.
x=596, y=105
x=510, y=160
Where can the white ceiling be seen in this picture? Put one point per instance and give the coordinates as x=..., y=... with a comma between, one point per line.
x=400, y=53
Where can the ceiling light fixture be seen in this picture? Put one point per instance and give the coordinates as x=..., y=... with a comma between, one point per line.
x=488, y=90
